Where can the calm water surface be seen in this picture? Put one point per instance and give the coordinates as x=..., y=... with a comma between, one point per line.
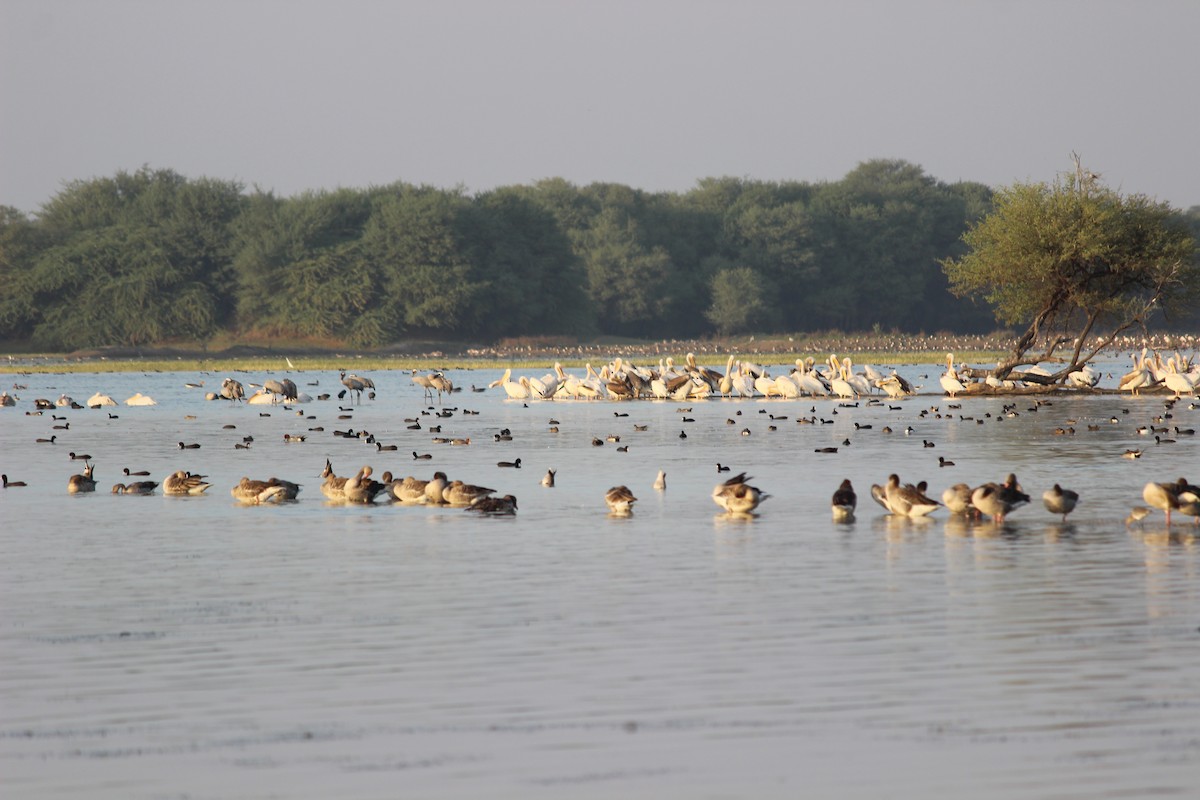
x=166, y=647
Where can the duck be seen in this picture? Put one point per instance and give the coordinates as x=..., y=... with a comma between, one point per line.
x=141, y=473
x=82, y=482
x=499, y=506
x=362, y=488
x=548, y=479
x=513, y=464
x=458, y=493
x=957, y=500
x=620, y=500
x=844, y=502
x=137, y=487
x=997, y=500
x=660, y=483
x=191, y=446
x=181, y=482
x=1060, y=501
x=80, y=456
x=908, y=500
x=12, y=484
x=255, y=492
x=736, y=496
x=1168, y=497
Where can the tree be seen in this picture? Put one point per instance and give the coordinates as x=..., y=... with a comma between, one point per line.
x=1074, y=260
x=740, y=302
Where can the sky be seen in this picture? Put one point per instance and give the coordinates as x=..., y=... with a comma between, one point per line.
x=296, y=95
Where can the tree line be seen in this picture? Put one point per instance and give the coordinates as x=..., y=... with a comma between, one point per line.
x=152, y=256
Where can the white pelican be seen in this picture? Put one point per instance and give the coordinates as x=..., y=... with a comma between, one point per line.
x=1060, y=501
x=1139, y=377
x=99, y=399
x=949, y=379
x=1084, y=378
x=809, y=379
x=515, y=390
x=861, y=385
x=1176, y=381
x=743, y=382
x=140, y=399
x=838, y=383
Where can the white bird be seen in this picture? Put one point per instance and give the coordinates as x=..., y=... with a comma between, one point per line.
x=99, y=399
x=949, y=380
x=140, y=399
x=660, y=483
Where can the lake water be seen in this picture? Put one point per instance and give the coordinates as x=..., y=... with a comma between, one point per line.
x=168, y=647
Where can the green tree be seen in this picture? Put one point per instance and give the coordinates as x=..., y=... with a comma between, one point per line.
x=1075, y=260
x=740, y=302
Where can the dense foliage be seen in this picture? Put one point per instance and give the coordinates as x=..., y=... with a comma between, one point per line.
x=1078, y=263
x=152, y=256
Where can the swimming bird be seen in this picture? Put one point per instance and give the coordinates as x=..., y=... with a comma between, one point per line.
x=515, y=464
x=137, y=487
x=82, y=483
x=421, y=456
x=736, y=496
x=139, y=473
x=98, y=399
x=181, y=482
x=944, y=462
x=844, y=502
x=721, y=467
x=620, y=500
x=12, y=484
x=1060, y=501
x=499, y=506
x=46, y=441
x=660, y=483
x=362, y=488
x=255, y=492
x=290, y=490
x=192, y=446
x=458, y=493
x=79, y=456
x=997, y=500
x=548, y=480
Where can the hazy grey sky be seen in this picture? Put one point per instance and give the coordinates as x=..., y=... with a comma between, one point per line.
x=651, y=93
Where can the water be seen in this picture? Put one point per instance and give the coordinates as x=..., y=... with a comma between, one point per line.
x=166, y=647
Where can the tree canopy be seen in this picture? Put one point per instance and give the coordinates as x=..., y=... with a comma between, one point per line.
x=1075, y=262
x=151, y=256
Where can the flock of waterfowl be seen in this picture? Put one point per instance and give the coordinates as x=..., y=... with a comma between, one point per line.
x=621, y=379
